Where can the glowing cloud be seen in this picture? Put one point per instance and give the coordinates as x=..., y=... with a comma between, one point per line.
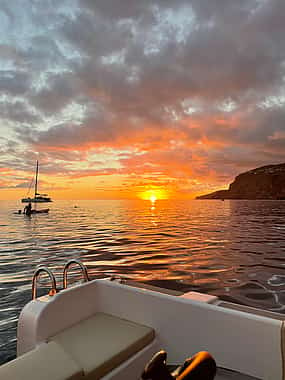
x=139, y=98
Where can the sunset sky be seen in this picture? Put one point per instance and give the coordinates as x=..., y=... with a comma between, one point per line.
x=130, y=98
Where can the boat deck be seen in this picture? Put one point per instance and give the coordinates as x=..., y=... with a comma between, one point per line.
x=234, y=337
x=225, y=374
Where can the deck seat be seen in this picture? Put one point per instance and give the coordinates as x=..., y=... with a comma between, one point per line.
x=45, y=362
x=101, y=343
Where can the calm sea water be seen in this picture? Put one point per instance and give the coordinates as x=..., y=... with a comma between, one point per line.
x=233, y=249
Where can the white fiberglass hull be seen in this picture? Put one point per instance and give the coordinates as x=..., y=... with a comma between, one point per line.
x=240, y=340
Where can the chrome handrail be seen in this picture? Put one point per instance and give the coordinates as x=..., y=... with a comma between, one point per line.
x=68, y=264
x=53, y=290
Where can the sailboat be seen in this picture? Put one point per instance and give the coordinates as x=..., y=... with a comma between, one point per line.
x=38, y=198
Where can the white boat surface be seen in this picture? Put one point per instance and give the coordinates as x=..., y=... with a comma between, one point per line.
x=110, y=328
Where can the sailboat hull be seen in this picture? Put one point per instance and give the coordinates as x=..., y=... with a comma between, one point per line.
x=36, y=200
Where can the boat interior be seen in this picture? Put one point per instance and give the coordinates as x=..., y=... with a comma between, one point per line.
x=110, y=328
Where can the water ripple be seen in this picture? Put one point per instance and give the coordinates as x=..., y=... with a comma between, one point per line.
x=232, y=249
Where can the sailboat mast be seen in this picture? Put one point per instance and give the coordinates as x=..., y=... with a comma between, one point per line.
x=36, y=184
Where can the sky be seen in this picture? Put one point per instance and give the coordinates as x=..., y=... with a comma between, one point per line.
x=122, y=99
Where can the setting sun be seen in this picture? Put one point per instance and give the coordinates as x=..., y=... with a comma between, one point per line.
x=153, y=195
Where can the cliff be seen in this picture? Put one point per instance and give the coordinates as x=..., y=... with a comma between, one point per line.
x=266, y=182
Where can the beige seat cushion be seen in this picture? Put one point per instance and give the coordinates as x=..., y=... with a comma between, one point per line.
x=46, y=362
x=102, y=342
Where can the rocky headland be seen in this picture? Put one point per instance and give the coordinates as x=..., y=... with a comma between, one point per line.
x=266, y=182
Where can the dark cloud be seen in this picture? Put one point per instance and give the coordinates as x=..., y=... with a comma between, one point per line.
x=59, y=91
x=125, y=9
x=14, y=83
x=146, y=75
x=18, y=112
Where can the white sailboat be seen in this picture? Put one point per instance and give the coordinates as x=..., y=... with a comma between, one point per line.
x=38, y=198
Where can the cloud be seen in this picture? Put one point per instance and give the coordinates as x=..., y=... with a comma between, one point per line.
x=195, y=87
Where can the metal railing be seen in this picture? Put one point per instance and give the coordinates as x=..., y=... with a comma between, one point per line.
x=38, y=271
x=66, y=267
x=54, y=289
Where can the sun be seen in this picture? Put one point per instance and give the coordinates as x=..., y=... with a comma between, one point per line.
x=153, y=195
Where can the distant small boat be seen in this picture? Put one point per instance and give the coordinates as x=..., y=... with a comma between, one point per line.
x=38, y=198
x=42, y=211
x=33, y=211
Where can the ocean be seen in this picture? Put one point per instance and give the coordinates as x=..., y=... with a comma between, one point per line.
x=232, y=249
